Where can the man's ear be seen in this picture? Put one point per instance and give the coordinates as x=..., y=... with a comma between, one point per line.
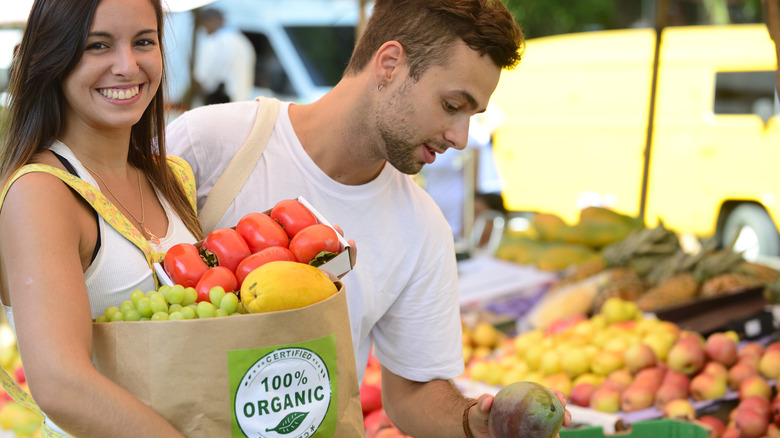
x=387, y=62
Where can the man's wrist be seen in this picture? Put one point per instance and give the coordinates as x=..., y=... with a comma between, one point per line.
x=466, y=427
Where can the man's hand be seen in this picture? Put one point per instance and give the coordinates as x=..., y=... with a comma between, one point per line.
x=478, y=415
x=353, y=254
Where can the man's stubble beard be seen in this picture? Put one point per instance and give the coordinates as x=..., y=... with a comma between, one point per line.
x=396, y=140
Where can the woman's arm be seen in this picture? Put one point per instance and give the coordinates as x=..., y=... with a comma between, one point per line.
x=42, y=230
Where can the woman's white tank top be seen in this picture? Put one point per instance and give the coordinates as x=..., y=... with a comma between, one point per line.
x=119, y=266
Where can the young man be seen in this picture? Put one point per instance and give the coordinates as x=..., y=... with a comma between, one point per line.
x=421, y=69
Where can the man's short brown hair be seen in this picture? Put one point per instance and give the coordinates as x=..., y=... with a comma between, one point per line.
x=427, y=29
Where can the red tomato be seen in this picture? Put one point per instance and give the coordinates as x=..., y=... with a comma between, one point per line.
x=228, y=246
x=260, y=231
x=292, y=215
x=311, y=241
x=183, y=264
x=270, y=254
x=216, y=276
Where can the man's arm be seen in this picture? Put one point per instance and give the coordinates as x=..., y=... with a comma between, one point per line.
x=425, y=409
x=435, y=409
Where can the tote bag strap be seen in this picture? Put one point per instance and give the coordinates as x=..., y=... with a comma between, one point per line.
x=99, y=203
x=240, y=166
x=181, y=170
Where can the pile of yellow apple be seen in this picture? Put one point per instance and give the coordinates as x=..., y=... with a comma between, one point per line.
x=481, y=340
x=621, y=361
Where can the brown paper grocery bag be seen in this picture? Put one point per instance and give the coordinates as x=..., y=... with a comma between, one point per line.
x=280, y=374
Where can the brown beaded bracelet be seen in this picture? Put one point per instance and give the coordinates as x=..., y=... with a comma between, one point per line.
x=466, y=429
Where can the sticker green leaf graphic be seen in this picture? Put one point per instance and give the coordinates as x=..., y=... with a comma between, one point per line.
x=289, y=423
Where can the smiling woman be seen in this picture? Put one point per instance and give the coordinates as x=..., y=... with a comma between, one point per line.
x=84, y=139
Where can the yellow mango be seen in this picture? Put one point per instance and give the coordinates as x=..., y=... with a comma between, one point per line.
x=284, y=285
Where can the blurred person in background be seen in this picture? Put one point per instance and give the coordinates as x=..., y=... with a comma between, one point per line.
x=224, y=68
x=446, y=178
x=86, y=107
x=419, y=72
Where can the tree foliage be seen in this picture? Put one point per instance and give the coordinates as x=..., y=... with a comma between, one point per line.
x=540, y=18
x=551, y=17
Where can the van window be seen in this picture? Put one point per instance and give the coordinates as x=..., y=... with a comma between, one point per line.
x=325, y=50
x=746, y=92
x=269, y=73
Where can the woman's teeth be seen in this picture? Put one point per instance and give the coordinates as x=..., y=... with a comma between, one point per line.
x=119, y=94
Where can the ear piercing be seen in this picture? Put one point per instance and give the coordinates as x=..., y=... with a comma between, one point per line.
x=380, y=86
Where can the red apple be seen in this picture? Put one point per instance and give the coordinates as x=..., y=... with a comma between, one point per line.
x=370, y=398
x=679, y=408
x=707, y=387
x=652, y=377
x=618, y=379
x=581, y=393
x=772, y=346
x=676, y=378
x=20, y=377
x=750, y=423
x=739, y=372
x=754, y=385
x=605, y=399
x=757, y=403
x=375, y=420
x=754, y=349
x=715, y=424
x=636, y=397
x=717, y=369
x=639, y=356
x=686, y=356
x=668, y=392
x=721, y=348
x=769, y=364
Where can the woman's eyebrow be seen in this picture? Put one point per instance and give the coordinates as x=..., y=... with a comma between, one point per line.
x=105, y=34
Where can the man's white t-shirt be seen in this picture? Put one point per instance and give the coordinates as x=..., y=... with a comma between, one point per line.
x=403, y=291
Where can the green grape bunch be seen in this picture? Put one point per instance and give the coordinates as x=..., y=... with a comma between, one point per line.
x=172, y=303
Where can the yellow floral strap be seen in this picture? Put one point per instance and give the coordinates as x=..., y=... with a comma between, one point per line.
x=183, y=172
x=23, y=398
x=17, y=393
x=97, y=200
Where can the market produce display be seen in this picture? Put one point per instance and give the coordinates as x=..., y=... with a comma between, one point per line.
x=608, y=255
x=618, y=361
x=552, y=244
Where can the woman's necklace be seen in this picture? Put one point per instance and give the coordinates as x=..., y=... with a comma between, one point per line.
x=154, y=239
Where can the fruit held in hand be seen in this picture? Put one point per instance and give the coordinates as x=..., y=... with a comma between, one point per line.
x=525, y=409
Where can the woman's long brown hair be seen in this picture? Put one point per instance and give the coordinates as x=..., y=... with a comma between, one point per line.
x=51, y=47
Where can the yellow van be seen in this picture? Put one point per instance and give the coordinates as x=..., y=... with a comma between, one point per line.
x=577, y=112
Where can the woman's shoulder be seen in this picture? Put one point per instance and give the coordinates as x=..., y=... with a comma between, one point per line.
x=39, y=196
